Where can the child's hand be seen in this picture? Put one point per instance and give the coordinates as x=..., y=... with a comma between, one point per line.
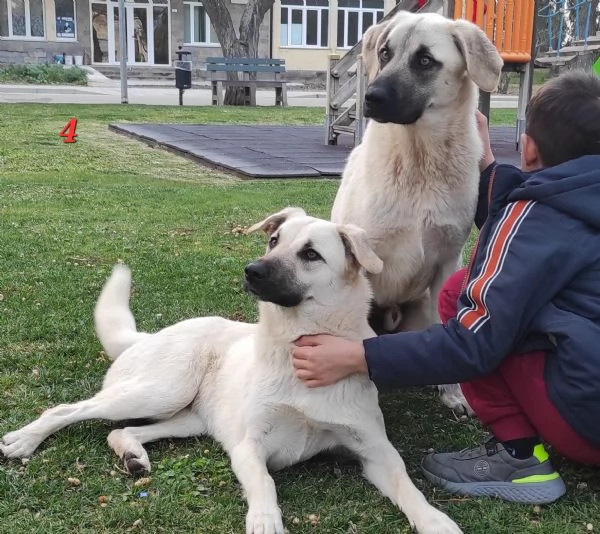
x=484, y=133
x=323, y=360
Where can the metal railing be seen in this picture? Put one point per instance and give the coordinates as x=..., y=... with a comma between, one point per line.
x=558, y=14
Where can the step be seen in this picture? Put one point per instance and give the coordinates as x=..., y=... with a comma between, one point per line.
x=580, y=49
x=555, y=60
x=338, y=128
x=591, y=40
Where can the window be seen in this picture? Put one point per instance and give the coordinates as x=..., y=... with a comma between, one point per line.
x=354, y=17
x=26, y=19
x=197, y=26
x=64, y=11
x=304, y=23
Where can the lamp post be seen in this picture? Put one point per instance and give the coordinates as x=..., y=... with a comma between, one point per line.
x=123, y=46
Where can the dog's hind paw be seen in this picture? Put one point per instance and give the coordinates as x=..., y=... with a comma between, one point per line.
x=18, y=444
x=136, y=465
x=264, y=521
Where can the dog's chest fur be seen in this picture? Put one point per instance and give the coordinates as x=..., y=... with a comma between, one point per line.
x=417, y=202
x=264, y=397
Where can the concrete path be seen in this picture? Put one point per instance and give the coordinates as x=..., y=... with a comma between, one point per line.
x=102, y=90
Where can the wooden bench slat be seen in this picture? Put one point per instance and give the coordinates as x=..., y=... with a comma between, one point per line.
x=248, y=83
x=244, y=61
x=244, y=68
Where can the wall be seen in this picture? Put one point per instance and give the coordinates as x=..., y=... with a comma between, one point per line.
x=20, y=50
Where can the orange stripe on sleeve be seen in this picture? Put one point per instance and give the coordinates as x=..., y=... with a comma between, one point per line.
x=495, y=255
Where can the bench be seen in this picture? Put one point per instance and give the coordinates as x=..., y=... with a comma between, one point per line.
x=219, y=67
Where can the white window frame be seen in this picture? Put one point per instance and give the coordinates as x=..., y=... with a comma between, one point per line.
x=360, y=10
x=68, y=39
x=27, y=36
x=304, y=8
x=208, y=25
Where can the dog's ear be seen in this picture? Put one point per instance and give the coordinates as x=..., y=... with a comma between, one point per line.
x=371, y=41
x=274, y=221
x=357, y=244
x=484, y=64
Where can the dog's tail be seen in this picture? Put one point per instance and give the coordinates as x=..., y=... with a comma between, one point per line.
x=115, y=324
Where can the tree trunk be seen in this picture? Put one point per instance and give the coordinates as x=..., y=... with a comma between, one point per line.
x=504, y=82
x=247, y=43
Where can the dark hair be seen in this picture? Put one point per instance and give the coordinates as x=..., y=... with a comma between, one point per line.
x=563, y=117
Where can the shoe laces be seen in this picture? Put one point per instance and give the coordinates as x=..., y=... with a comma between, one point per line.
x=490, y=448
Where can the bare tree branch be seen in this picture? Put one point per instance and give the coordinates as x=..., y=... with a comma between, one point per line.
x=219, y=14
x=250, y=24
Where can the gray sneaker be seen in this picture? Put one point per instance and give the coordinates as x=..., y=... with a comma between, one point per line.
x=490, y=471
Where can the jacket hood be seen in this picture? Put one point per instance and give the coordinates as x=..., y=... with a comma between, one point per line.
x=572, y=187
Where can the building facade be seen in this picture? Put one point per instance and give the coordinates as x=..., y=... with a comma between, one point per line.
x=34, y=31
x=303, y=32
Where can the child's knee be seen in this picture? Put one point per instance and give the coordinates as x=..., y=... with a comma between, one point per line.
x=448, y=297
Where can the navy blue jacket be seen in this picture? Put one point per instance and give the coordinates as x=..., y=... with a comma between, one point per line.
x=533, y=283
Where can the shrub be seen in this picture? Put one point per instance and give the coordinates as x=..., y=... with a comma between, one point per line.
x=43, y=74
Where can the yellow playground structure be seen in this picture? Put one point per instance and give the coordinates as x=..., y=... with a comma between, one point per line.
x=509, y=24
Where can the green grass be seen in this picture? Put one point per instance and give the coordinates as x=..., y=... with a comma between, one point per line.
x=43, y=74
x=68, y=212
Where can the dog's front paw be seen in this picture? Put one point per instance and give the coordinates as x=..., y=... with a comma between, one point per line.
x=452, y=396
x=437, y=522
x=19, y=444
x=264, y=521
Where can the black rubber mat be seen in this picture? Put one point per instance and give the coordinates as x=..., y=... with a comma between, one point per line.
x=271, y=151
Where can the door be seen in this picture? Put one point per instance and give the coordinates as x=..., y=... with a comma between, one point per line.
x=146, y=28
x=140, y=42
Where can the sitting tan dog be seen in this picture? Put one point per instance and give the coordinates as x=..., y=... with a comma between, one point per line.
x=413, y=182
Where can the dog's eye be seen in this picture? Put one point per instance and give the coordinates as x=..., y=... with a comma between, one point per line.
x=312, y=255
x=273, y=241
x=425, y=61
x=384, y=55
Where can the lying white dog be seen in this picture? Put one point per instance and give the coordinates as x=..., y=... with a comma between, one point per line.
x=235, y=381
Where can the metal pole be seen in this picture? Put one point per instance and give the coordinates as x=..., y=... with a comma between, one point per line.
x=123, y=45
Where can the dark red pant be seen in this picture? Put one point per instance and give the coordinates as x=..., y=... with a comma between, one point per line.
x=512, y=400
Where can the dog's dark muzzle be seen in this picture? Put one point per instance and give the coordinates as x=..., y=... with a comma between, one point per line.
x=386, y=102
x=268, y=280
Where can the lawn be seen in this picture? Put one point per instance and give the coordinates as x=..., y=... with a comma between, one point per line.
x=68, y=212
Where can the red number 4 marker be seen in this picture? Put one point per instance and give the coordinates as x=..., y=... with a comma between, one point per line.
x=68, y=132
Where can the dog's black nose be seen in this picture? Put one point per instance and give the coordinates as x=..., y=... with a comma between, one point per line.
x=257, y=270
x=375, y=95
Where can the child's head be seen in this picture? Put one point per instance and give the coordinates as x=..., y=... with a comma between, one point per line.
x=562, y=121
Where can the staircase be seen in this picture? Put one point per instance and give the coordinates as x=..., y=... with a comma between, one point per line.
x=346, y=80
x=580, y=54
x=564, y=19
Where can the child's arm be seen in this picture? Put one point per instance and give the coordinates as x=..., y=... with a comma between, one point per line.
x=529, y=259
x=487, y=164
x=483, y=201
